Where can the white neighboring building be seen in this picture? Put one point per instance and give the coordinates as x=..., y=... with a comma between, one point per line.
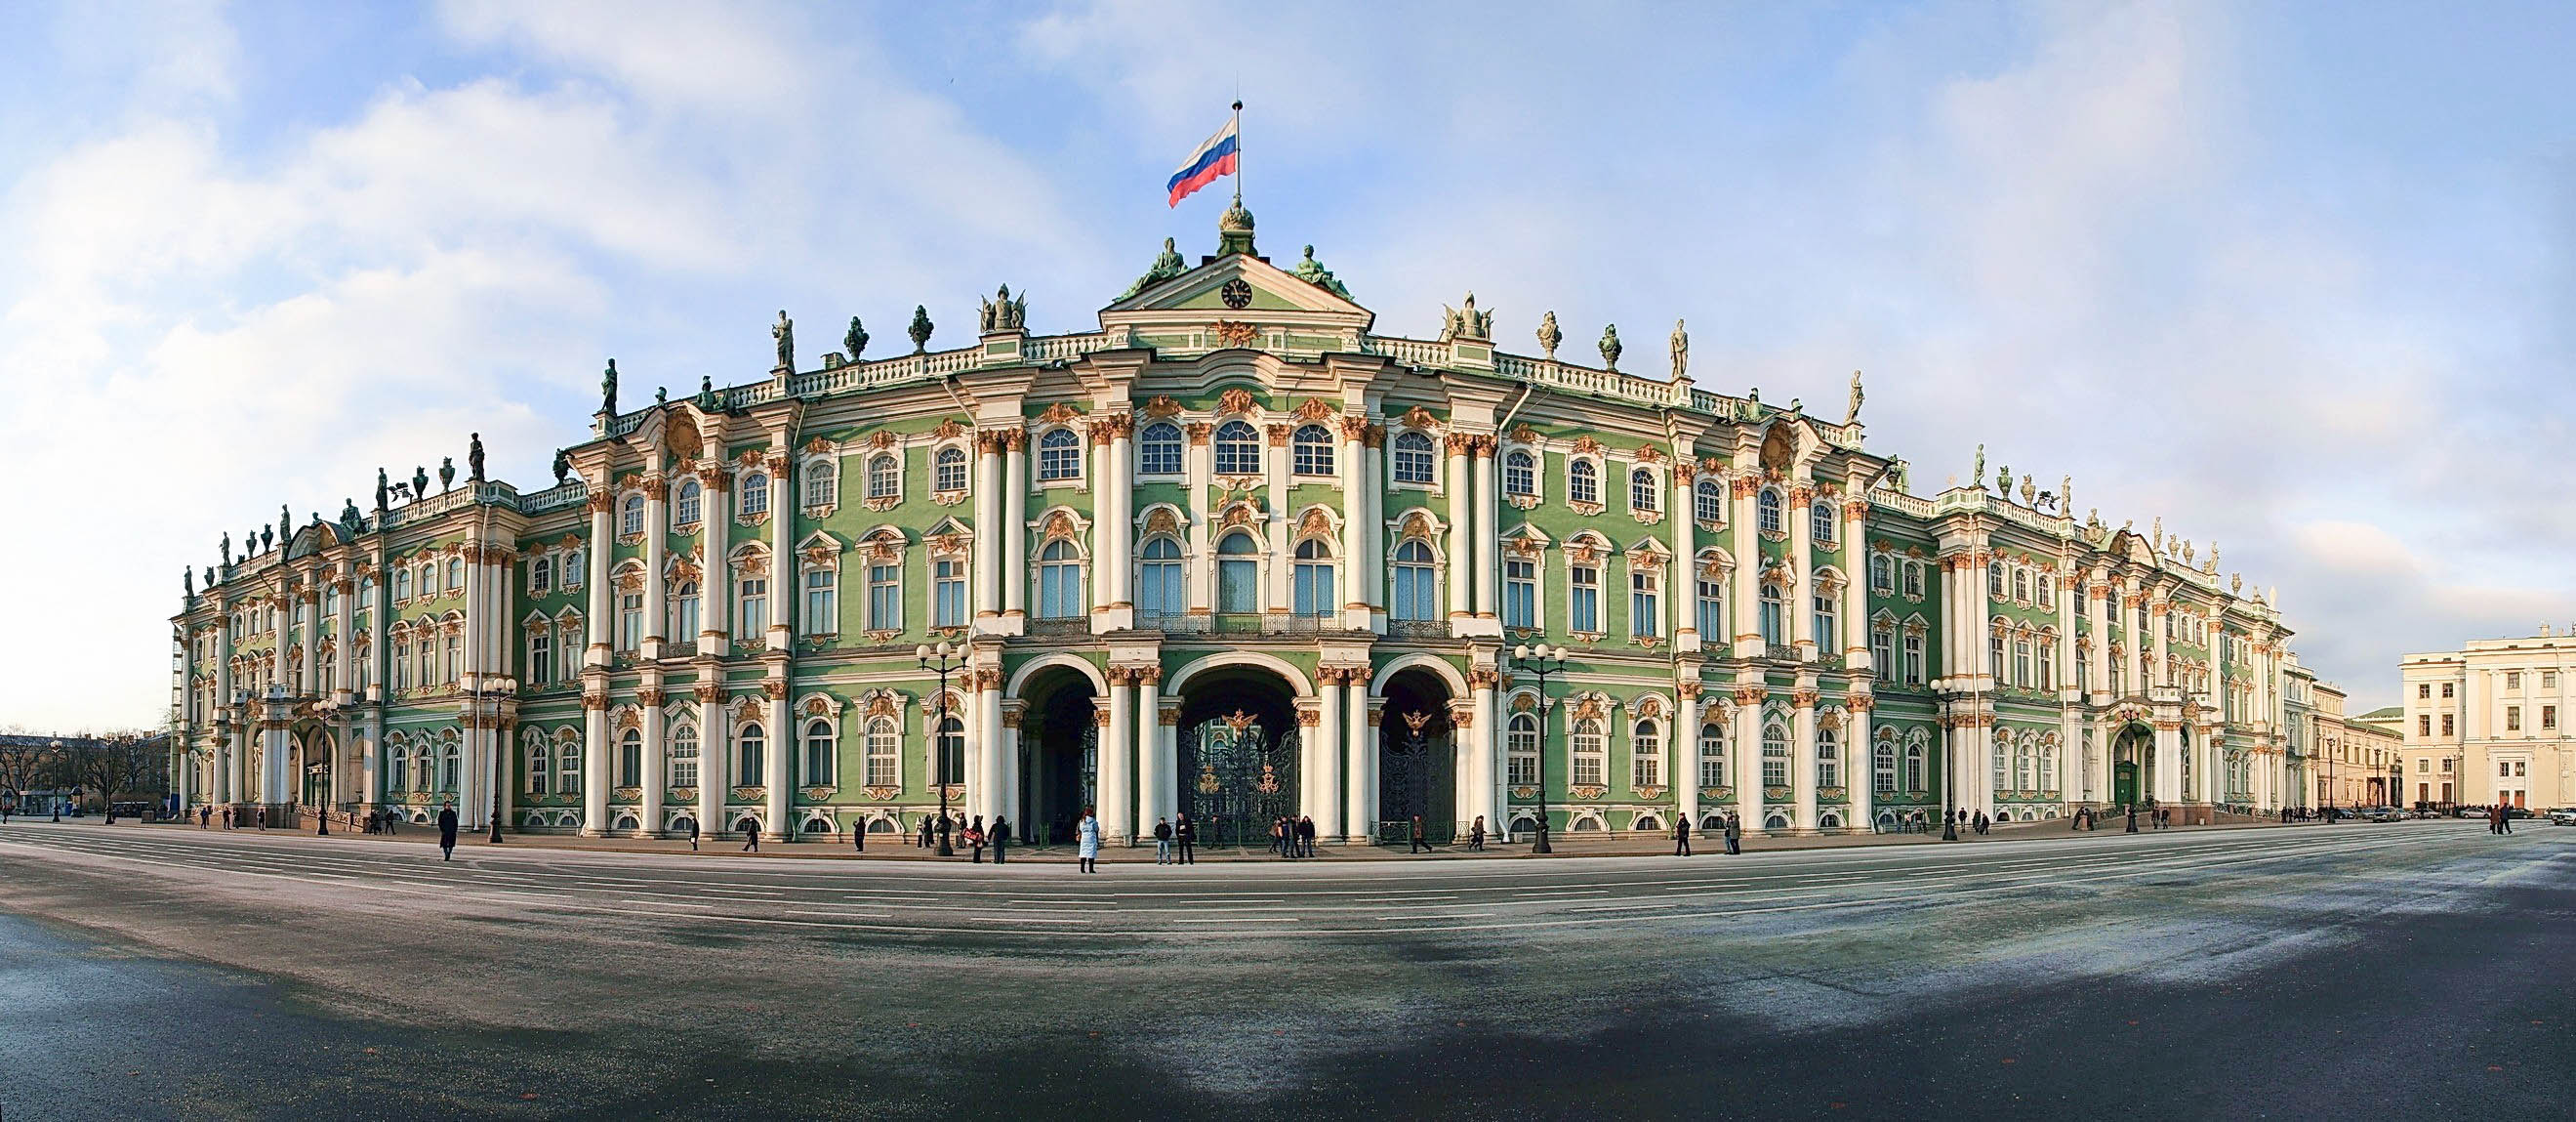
x=2488, y=723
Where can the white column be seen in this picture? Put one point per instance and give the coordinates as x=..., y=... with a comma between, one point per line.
x=1164, y=777
x=1860, y=761
x=1802, y=757
x=987, y=747
x=1156, y=750
x=1488, y=538
x=1104, y=526
x=1489, y=716
x=1117, y=776
x=1749, y=806
x=1681, y=593
x=1745, y=606
x=1462, y=520
x=715, y=744
x=1685, y=748
x=989, y=538
x=1279, y=519
x=594, y=767
x=601, y=548
x=1856, y=654
x=1015, y=532
x=1359, y=778
x=1320, y=786
x=775, y=774
x=2098, y=660
x=2158, y=614
x=1802, y=559
x=344, y=638
x=782, y=548
x=715, y=588
x=1119, y=517
x=657, y=544
x=1356, y=511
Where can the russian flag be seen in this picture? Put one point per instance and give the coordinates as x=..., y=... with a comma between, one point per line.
x=1213, y=159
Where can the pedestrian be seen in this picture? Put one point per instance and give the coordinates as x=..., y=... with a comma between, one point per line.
x=1001, y=838
x=1977, y=824
x=1420, y=844
x=925, y=832
x=750, y=836
x=693, y=835
x=1476, y=835
x=1186, y=833
x=447, y=832
x=1278, y=839
x=1162, y=841
x=1086, y=836
x=947, y=830
x=2504, y=816
x=1306, y=833
x=859, y=836
x=1734, y=834
x=205, y=816
x=1681, y=837
x=975, y=840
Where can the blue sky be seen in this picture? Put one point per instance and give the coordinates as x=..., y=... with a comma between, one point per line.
x=2290, y=277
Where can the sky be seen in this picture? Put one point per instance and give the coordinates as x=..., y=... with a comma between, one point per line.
x=2293, y=278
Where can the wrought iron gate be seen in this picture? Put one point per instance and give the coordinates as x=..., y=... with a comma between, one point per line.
x=1414, y=778
x=1237, y=776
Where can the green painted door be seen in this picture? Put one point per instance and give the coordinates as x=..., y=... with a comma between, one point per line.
x=2124, y=783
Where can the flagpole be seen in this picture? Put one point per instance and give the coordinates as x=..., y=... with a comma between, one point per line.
x=1238, y=152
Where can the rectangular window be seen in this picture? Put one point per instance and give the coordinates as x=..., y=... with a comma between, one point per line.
x=2548, y=716
x=1882, y=648
x=630, y=621
x=1520, y=592
x=541, y=662
x=2423, y=724
x=2446, y=724
x=2549, y=679
x=1583, y=599
x=1821, y=613
x=1644, y=604
x=948, y=593
x=822, y=601
x=753, y=619
x=1712, y=610
x=455, y=658
x=2446, y=689
x=572, y=644
x=2513, y=718
x=2513, y=679
x=1914, y=579
x=1313, y=589
x=1913, y=659
x=2423, y=690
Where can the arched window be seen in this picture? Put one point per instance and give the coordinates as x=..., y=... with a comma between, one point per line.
x=1412, y=457
x=1775, y=612
x=1312, y=586
x=449, y=757
x=1820, y=523
x=1060, y=455
x=1995, y=579
x=684, y=612
x=952, y=751
x=1313, y=446
x=1829, y=758
x=2021, y=660
x=883, y=748
x=1158, y=449
x=1642, y=490
x=1712, y=756
x=1591, y=753
x=1582, y=482
x=1882, y=578
x=2048, y=766
x=1882, y=767
x=1520, y=473
x=684, y=756
x=1916, y=778
x=751, y=754
x=885, y=476
x=754, y=498
x=630, y=519
x=2024, y=771
x=397, y=766
x=1708, y=502
x=822, y=483
x=1238, y=449
x=1416, y=594
x=2047, y=663
x=1775, y=755
x=1645, y=755
x=424, y=768
x=2021, y=584
x=821, y=756
x=1882, y=648
x=1161, y=590
x=948, y=470
x=1238, y=574
x=630, y=758
x=1766, y=511
x=1520, y=744
x=1059, y=581
x=540, y=765
x=568, y=775
x=2002, y=778
x=690, y=504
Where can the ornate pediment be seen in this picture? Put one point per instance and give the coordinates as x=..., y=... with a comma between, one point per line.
x=1238, y=288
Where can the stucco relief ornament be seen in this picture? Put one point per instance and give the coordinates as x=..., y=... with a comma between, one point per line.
x=1549, y=336
x=920, y=329
x=784, y=332
x=1680, y=347
x=1610, y=348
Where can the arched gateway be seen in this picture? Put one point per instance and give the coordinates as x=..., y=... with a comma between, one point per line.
x=1239, y=755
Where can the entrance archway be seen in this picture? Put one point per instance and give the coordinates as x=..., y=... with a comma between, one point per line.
x=2132, y=756
x=1238, y=754
x=1417, y=763
x=1059, y=753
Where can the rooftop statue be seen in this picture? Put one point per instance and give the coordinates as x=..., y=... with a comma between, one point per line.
x=381, y=488
x=1466, y=322
x=1851, y=413
x=855, y=340
x=419, y=482
x=474, y=456
x=1549, y=336
x=563, y=466
x=1610, y=348
x=1979, y=475
x=285, y=523
x=2066, y=492
x=1002, y=313
x=1680, y=347
x=784, y=331
x=661, y=395
x=1313, y=272
x=706, y=399
x=1167, y=265
x=188, y=582
x=2029, y=491
x=227, y=546
x=266, y=542
x=446, y=474
x=608, y=389
x=2003, y=481
x=920, y=329
x=349, y=515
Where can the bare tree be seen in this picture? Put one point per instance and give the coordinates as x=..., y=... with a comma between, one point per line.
x=23, y=760
x=118, y=763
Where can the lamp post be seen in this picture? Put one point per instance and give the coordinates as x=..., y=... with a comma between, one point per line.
x=493, y=690
x=943, y=660
x=1541, y=661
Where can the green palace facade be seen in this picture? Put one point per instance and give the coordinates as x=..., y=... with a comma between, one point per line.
x=1231, y=554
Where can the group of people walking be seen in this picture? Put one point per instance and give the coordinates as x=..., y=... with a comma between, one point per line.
x=952, y=832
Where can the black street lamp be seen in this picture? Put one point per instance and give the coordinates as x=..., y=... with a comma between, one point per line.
x=1541, y=661
x=942, y=660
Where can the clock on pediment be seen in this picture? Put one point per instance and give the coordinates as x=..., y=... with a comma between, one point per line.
x=1236, y=293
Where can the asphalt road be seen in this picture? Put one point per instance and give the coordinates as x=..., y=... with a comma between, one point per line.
x=2296, y=972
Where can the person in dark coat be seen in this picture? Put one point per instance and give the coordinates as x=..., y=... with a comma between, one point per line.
x=1162, y=841
x=1476, y=835
x=1734, y=835
x=975, y=838
x=1186, y=833
x=1681, y=838
x=1306, y=834
x=447, y=832
x=693, y=835
x=1419, y=845
x=859, y=837
x=750, y=836
x=1001, y=838
x=925, y=833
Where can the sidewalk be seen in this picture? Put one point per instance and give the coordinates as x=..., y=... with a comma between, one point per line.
x=890, y=847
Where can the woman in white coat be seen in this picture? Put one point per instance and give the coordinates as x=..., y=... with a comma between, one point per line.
x=1087, y=834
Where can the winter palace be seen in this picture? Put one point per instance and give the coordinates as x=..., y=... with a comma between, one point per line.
x=1231, y=554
